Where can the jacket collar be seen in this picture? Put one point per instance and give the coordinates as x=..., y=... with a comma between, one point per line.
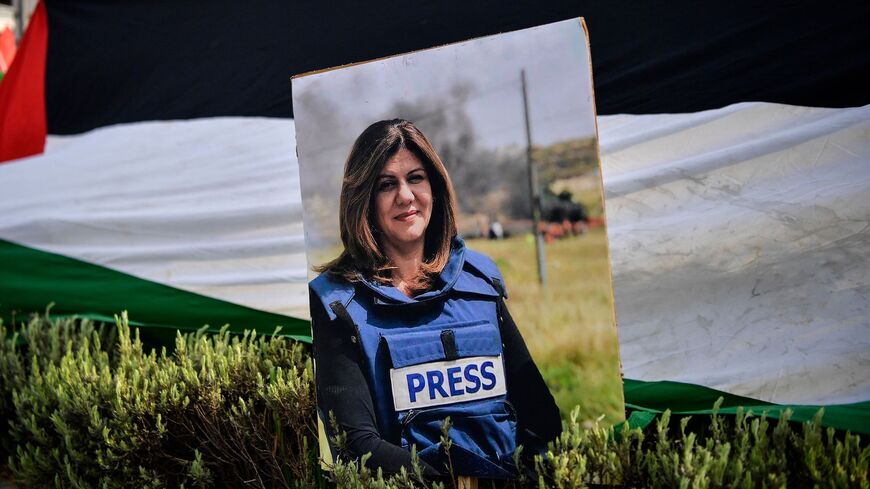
x=387, y=294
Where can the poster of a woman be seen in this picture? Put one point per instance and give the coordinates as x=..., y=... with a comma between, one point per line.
x=449, y=279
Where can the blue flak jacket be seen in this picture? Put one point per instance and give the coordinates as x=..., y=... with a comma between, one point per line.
x=435, y=355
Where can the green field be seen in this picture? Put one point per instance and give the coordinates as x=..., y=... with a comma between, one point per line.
x=568, y=324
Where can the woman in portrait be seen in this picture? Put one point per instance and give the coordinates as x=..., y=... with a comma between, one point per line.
x=410, y=326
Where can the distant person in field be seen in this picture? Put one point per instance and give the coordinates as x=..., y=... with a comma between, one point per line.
x=410, y=326
x=496, y=230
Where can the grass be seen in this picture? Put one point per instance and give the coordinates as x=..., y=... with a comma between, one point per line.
x=568, y=324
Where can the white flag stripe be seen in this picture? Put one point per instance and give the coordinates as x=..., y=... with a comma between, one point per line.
x=740, y=249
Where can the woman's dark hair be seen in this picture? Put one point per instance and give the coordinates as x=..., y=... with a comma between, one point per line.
x=362, y=253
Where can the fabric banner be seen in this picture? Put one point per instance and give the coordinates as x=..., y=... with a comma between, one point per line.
x=740, y=247
x=23, y=123
x=117, y=61
x=647, y=399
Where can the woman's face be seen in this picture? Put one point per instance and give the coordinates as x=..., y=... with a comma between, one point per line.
x=403, y=202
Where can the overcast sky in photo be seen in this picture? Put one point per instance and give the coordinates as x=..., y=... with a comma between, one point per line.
x=554, y=56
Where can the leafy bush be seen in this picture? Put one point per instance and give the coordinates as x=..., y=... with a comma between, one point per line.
x=741, y=451
x=88, y=406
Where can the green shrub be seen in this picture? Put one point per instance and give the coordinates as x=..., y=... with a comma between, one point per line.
x=88, y=406
x=85, y=412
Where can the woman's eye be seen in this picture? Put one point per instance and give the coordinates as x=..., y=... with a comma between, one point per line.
x=387, y=185
x=416, y=178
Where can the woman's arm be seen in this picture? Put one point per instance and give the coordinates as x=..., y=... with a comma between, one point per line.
x=538, y=416
x=342, y=389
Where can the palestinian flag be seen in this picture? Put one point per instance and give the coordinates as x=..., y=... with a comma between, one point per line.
x=734, y=141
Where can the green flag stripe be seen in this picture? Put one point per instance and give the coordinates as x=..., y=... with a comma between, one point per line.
x=684, y=398
x=30, y=279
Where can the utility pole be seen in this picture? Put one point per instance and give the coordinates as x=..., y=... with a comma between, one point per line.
x=533, y=189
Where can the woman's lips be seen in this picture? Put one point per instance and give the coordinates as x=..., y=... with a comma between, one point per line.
x=406, y=216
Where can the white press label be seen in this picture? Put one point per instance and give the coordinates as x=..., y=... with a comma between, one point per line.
x=447, y=382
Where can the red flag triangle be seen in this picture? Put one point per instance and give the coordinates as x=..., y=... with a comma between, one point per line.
x=22, y=94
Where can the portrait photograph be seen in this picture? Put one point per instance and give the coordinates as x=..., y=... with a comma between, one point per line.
x=457, y=248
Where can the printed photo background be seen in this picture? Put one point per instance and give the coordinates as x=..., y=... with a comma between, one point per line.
x=467, y=99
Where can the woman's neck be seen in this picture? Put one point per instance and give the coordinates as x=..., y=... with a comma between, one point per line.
x=408, y=262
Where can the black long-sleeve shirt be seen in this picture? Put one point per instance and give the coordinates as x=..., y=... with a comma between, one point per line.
x=343, y=390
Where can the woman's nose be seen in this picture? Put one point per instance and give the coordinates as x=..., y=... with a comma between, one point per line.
x=404, y=195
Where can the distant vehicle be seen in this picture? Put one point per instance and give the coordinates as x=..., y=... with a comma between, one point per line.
x=562, y=217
